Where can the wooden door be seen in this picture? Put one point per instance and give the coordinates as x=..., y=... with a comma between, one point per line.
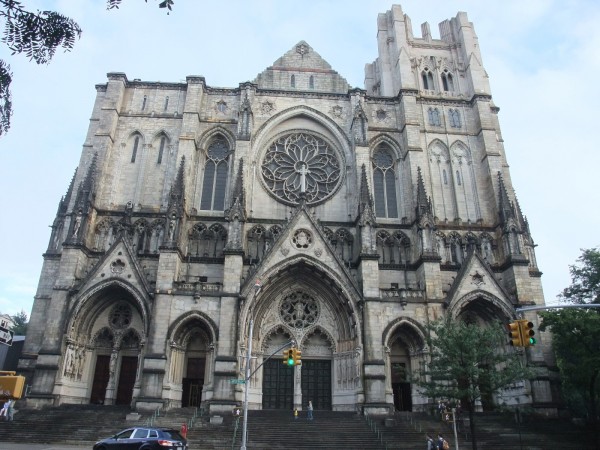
x=101, y=376
x=126, y=380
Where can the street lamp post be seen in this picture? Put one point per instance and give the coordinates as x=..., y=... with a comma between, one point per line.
x=247, y=379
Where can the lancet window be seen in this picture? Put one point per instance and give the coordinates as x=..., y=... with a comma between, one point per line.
x=393, y=248
x=427, y=78
x=384, y=182
x=447, y=81
x=215, y=175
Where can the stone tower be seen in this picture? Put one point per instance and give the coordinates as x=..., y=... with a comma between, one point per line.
x=341, y=218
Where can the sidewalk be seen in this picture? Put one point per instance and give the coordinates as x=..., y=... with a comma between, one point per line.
x=15, y=446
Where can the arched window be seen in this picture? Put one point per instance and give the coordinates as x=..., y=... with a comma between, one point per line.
x=293, y=81
x=427, y=78
x=215, y=175
x=434, y=117
x=458, y=181
x=384, y=182
x=166, y=103
x=456, y=250
x=447, y=81
x=256, y=244
x=455, y=121
x=136, y=143
x=161, y=149
x=311, y=82
x=144, y=102
x=445, y=176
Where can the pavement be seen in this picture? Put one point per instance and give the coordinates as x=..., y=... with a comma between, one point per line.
x=15, y=446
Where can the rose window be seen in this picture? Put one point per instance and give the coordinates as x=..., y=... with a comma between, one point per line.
x=120, y=316
x=301, y=163
x=299, y=310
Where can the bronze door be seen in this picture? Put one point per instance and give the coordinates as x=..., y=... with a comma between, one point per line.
x=101, y=376
x=316, y=384
x=278, y=385
x=126, y=380
x=193, y=382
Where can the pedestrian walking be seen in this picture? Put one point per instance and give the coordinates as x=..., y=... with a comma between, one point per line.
x=442, y=444
x=309, y=410
x=430, y=443
x=4, y=410
x=296, y=413
x=10, y=411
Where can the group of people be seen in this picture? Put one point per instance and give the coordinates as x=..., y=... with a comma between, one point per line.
x=437, y=444
x=7, y=411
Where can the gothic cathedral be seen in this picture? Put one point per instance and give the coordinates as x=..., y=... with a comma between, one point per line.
x=293, y=207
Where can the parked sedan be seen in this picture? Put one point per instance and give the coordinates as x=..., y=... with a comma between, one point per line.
x=143, y=438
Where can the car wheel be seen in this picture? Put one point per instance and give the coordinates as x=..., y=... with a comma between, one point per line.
x=100, y=448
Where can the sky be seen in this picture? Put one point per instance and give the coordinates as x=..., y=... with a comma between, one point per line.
x=542, y=57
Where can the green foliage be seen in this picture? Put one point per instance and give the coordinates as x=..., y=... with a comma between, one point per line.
x=111, y=4
x=19, y=327
x=468, y=361
x=585, y=279
x=576, y=343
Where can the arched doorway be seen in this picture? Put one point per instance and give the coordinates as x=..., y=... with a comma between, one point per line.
x=101, y=361
x=191, y=359
x=302, y=302
x=405, y=353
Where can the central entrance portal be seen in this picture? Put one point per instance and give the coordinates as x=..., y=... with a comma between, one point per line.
x=278, y=386
x=316, y=384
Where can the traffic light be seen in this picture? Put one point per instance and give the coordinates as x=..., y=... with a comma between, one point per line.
x=288, y=357
x=11, y=386
x=514, y=333
x=297, y=356
x=527, y=333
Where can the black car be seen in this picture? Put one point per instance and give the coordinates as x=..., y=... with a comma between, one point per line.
x=144, y=438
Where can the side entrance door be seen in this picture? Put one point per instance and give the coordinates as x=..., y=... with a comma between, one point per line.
x=278, y=387
x=316, y=384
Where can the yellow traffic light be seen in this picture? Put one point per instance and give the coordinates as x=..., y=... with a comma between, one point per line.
x=11, y=386
x=527, y=333
x=288, y=357
x=514, y=333
x=297, y=356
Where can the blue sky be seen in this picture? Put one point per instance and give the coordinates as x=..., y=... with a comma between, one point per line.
x=541, y=55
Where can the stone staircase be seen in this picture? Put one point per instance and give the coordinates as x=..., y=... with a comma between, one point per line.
x=77, y=424
x=494, y=430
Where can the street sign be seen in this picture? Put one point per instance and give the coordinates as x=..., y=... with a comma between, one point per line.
x=6, y=336
x=237, y=381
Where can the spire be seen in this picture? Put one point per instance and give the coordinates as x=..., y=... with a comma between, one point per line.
x=366, y=210
x=63, y=205
x=236, y=213
x=423, y=203
x=505, y=207
x=177, y=193
x=175, y=210
x=238, y=202
x=83, y=203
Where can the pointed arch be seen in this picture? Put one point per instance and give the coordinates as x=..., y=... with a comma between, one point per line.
x=467, y=199
x=218, y=164
x=442, y=181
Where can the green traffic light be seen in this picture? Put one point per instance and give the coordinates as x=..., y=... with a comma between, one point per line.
x=290, y=361
x=532, y=341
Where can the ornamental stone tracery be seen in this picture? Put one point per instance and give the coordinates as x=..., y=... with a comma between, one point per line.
x=299, y=310
x=301, y=163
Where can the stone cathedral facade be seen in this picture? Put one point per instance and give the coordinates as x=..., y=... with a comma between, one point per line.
x=345, y=219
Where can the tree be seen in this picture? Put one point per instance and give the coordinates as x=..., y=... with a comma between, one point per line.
x=576, y=338
x=585, y=279
x=467, y=363
x=19, y=327
x=37, y=35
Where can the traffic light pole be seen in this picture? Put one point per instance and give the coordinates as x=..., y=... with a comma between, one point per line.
x=249, y=375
